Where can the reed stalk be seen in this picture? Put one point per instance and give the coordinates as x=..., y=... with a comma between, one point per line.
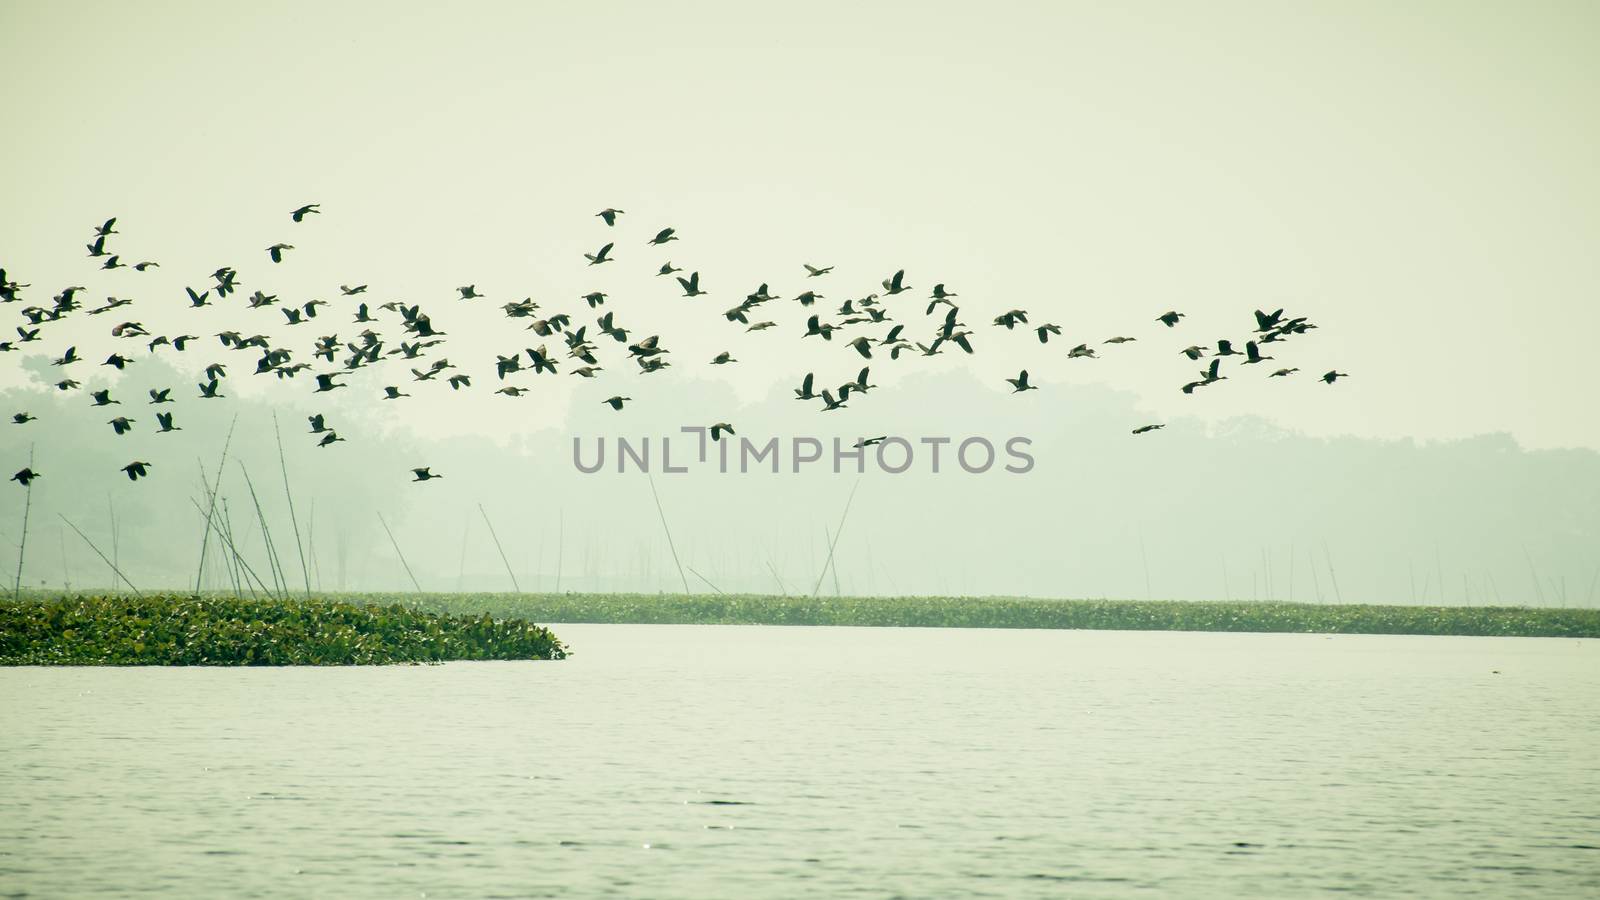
x=305, y=571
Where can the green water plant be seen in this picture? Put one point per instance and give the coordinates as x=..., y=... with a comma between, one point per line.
x=173, y=630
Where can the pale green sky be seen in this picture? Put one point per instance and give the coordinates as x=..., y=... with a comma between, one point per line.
x=1418, y=178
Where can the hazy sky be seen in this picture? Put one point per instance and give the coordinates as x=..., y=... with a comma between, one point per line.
x=1418, y=178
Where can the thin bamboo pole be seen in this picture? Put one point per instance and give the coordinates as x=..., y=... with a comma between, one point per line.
x=664, y=527
x=305, y=571
x=397, y=552
x=101, y=555
x=496, y=538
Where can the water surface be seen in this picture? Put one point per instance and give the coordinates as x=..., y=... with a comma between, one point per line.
x=692, y=761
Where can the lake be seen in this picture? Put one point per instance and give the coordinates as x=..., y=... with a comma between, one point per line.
x=694, y=761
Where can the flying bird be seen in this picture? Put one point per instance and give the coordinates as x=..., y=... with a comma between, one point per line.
x=691, y=285
x=1142, y=429
x=610, y=216
x=300, y=214
x=664, y=235
x=895, y=283
x=276, y=251
x=1253, y=353
x=136, y=470
x=1020, y=383
x=424, y=475
x=600, y=256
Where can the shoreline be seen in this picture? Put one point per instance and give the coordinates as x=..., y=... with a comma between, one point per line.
x=459, y=613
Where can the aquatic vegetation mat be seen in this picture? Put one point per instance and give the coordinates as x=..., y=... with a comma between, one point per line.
x=1020, y=612
x=188, y=631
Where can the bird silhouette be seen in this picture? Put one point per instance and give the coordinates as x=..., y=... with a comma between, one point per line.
x=610, y=216
x=1253, y=353
x=25, y=477
x=895, y=283
x=691, y=285
x=300, y=214
x=424, y=475
x=1020, y=383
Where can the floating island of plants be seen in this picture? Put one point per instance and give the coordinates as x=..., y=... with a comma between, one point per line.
x=168, y=630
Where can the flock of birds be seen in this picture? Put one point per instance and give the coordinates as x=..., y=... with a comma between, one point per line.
x=866, y=325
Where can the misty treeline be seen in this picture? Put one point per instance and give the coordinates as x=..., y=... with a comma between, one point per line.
x=1240, y=511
